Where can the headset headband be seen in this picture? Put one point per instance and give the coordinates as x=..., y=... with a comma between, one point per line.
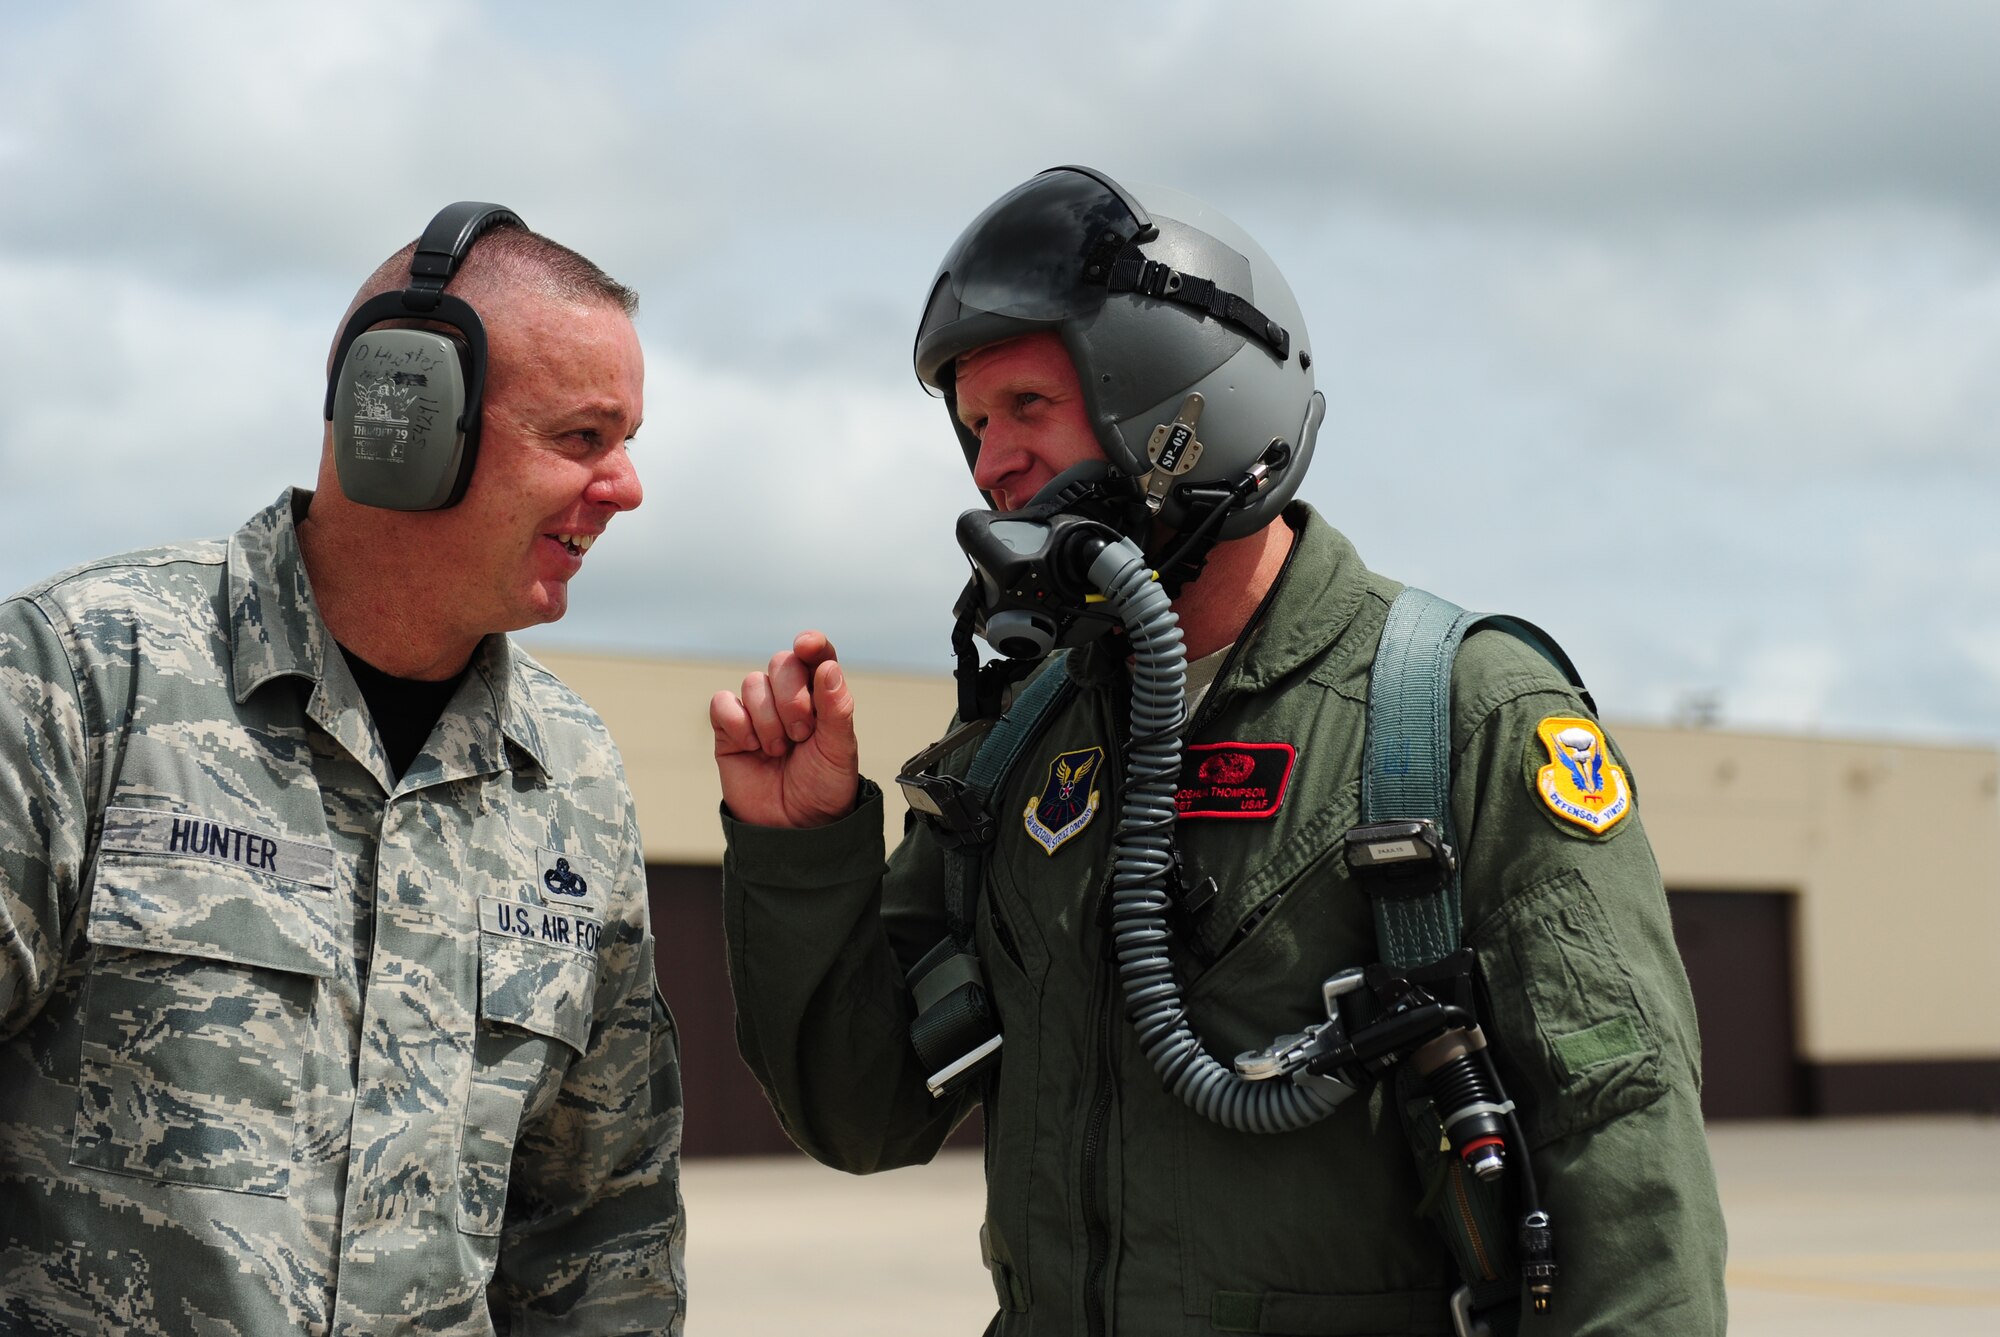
x=440, y=251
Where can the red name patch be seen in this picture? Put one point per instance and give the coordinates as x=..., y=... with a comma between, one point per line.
x=1234, y=779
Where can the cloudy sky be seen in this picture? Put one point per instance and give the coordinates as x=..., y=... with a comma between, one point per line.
x=1671, y=326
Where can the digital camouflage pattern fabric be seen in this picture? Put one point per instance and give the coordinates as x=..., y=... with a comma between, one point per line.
x=288, y=1044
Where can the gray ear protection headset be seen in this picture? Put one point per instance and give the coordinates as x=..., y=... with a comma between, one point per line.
x=404, y=403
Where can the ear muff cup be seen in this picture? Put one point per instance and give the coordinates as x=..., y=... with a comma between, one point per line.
x=404, y=403
x=399, y=405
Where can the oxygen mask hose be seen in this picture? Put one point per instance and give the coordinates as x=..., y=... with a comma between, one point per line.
x=1143, y=857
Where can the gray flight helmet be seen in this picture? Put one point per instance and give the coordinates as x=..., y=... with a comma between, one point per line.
x=1156, y=296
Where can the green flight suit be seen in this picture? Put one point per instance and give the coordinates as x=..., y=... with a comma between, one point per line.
x=1111, y=1207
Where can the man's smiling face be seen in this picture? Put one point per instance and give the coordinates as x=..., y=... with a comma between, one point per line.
x=1022, y=399
x=564, y=395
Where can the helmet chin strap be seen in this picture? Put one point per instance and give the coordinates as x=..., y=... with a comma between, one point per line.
x=1183, y=555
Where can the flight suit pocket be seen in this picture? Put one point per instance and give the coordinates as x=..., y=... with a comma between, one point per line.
x=1270, y=1239
x=1297, y=875
x=535, y=1002
x=1015, y=966
x=1557, y=977
x=197, y=1017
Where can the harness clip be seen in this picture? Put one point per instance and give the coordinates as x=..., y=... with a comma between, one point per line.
x=1399, y=859
x=946, y=802
x=1462, y=1321
x=1296, y=1055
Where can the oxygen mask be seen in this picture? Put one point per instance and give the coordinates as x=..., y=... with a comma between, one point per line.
x=1029, y=593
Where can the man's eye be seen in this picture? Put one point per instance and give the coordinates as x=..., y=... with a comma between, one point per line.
x=1026, y=399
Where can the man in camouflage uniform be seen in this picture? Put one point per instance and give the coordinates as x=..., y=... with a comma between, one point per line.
x=326, y=981
x=1112, y=1206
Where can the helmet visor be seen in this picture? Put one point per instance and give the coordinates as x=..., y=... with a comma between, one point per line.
x=1026, y=257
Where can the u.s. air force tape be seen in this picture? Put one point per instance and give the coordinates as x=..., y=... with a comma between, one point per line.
x=557, y=926
x=187, y=835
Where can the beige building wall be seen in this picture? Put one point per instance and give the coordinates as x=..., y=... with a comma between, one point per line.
x=657, y=710
x=1892, y=850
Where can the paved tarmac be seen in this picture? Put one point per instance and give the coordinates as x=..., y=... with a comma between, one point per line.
x=1838, y=1228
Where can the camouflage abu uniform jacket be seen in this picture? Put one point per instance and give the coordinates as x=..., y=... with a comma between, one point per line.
x=1111, y=1207
x=287, y=1045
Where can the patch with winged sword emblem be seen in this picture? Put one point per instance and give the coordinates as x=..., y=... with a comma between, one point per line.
x=1068, y=800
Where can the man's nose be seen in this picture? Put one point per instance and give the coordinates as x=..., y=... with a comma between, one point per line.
x=1000, y=454
x=617, y=482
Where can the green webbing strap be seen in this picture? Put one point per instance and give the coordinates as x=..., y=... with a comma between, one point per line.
x=1406, y=765
x=990, y=766
x=1406, y=776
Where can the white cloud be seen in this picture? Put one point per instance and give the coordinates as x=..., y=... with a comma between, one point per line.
x=131, y=413
x=222, y=141
x=778, y=503
x=1724, y=281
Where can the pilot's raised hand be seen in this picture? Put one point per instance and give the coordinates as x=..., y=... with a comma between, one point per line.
x=785, y=748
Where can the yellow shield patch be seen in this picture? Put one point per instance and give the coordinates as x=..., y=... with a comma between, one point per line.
x=1580, y=786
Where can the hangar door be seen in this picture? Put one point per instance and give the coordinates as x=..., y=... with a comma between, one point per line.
x=726, y=1111
x=1737, y=947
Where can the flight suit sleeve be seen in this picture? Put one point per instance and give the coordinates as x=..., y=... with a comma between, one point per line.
x=820, y=934
x=594, y=1234
x=1589, y=1007
x=44, y=810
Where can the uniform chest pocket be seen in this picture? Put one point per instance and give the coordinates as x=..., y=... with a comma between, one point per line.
x=1285, y=915
x=197, y=1016
x=537, y=986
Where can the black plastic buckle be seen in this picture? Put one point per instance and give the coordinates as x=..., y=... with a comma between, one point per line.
x=1402, y=858
x=946, y=802
x=948, y=805
x=955, y=1033
x=1185, y=907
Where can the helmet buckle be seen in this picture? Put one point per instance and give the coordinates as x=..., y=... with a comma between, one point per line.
x=1158, y=279
x=1173, y=449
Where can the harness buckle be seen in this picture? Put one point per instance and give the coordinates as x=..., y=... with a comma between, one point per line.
x=1401, y=859
x=945, y=802
x=1297, y=1055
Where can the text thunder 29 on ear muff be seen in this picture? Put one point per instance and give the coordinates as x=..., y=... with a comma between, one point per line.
x=404, y=403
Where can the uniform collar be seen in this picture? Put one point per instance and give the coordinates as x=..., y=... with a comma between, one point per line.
x=275, y=631
x=1315, y=599
x=1314, y=602
x=274, y=627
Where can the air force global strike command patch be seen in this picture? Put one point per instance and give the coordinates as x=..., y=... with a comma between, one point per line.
x=1068, y=801
x=1579, y=785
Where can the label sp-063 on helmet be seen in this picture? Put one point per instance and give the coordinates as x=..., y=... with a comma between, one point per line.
x=1172, y=315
